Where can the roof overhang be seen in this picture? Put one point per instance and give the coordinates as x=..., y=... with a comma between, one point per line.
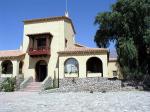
x=43, y=33
x=86, y=51
x=14, y=54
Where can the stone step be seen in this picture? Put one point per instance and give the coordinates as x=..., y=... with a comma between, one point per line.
x=33, y=87
x=30, y=90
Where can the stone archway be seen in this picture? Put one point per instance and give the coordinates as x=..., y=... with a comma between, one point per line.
x=41, y=71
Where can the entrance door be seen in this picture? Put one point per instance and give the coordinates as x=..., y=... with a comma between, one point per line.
x=41, y=71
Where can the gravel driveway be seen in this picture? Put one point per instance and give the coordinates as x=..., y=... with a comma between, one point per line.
x=134, y=101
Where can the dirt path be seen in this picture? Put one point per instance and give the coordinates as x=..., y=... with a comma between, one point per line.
x=75, y=102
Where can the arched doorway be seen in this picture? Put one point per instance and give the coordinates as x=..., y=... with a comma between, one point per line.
x=94, y=65
x=7, y=67
x=41, y=70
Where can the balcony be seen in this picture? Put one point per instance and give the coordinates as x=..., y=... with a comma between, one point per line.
x=40, y=51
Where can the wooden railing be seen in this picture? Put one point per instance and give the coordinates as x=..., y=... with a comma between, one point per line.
x=39, y=51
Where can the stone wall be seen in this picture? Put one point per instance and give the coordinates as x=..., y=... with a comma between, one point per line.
x=98, y=84
x=19, y=80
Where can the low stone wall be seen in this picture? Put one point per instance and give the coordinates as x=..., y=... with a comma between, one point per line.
x=48, y=82
x=26, y=82
x=98, y=84
x=19, y=80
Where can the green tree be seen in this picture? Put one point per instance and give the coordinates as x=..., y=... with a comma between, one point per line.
x=128, y=25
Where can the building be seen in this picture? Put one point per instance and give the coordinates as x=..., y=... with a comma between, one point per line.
x=49, y=51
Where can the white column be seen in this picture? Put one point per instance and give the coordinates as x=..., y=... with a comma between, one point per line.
x=15, y=68
x=82, y=67
x=105, y=67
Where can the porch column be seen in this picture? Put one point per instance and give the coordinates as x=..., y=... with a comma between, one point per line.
x=105, y=67
x=15, y=68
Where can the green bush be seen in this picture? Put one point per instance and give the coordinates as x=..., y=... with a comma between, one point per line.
x=8, y=85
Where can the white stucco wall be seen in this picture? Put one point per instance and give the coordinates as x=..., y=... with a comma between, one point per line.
x=114, y=66
x=69, y=34
x=82, y=59
x=60, y=30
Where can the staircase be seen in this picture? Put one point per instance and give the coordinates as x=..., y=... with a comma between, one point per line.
x=33, y=87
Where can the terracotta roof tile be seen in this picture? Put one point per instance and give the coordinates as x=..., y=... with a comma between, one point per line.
x=11, y=53
x=81, y=49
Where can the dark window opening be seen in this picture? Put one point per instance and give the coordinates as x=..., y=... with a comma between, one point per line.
x=114, y=73
x=41, y=43
x=66, y=41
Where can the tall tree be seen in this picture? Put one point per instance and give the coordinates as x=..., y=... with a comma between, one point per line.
x=128, y=25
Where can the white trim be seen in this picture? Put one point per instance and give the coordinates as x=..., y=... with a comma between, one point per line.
x=94, y=74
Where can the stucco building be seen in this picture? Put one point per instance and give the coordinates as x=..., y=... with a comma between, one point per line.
x=49, y=51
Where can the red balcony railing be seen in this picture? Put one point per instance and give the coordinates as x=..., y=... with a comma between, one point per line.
x=39, y=51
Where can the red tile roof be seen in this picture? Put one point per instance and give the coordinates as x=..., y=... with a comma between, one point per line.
x=11, y=53
x=82, y=49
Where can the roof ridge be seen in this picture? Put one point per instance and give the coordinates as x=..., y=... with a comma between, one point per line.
x=50, y=17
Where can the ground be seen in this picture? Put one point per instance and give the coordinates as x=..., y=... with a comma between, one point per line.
x=133, y=101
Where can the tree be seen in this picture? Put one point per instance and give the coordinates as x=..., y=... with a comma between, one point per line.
x=128, y=25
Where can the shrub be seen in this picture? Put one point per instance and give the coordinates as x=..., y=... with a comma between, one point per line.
x=8, y=85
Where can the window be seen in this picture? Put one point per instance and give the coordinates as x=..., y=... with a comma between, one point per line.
x=66, y=41
x=41, y=42
x=114, y=73
x=71, y=66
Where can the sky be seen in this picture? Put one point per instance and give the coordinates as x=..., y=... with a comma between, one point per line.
x=82, y=13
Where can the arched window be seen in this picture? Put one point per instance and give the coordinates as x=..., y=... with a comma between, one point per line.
x=94, y=65
x=7, y=67
x=20, y=67
x=71, y=66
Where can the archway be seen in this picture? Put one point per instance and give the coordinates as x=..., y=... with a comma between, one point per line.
x=71, y=65
x=7, y=67
x=94, y=65
x=41, y=71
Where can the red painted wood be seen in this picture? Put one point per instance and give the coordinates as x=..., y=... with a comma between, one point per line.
x=39, y=51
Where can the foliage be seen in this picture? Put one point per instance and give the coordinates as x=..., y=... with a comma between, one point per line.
x=128, y=25
x=8, y=85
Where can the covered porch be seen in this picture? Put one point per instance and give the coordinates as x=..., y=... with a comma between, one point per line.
x=11, y=63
